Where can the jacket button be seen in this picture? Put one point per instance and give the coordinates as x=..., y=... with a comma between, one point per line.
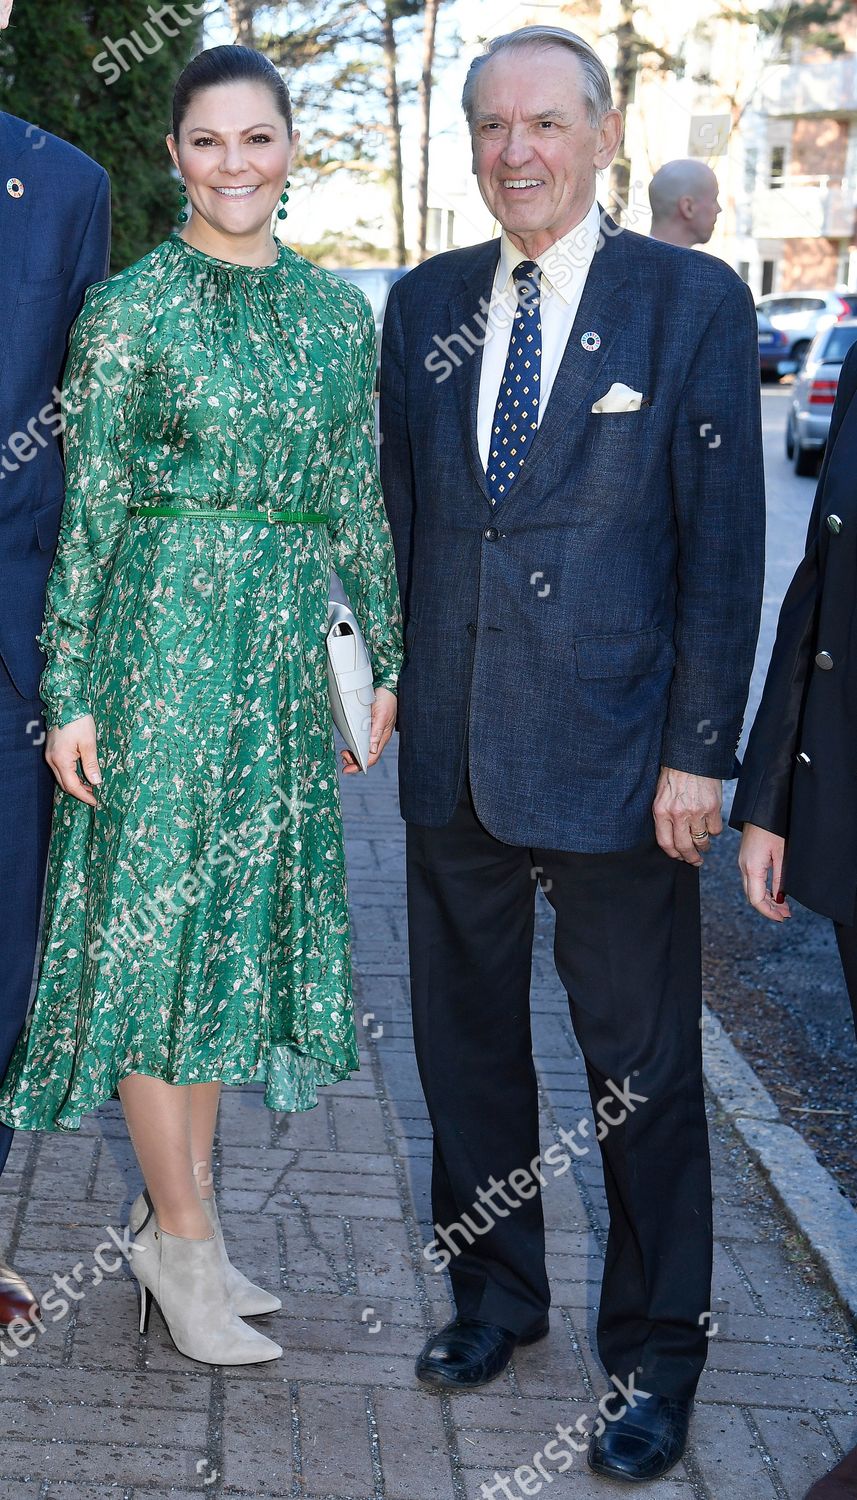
x=834, y=524
x=471, y=628
x=490, y=533
x=803, y=759
x=825, y=661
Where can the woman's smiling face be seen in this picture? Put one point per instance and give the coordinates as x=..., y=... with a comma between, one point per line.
x=234, y=153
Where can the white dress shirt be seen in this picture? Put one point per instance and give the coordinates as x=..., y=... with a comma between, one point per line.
x=564, y=267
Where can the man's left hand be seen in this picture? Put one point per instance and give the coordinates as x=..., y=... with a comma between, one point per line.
x=383, y=724
x=687, y=817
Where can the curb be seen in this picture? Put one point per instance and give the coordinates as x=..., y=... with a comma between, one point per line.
x=805, y=1189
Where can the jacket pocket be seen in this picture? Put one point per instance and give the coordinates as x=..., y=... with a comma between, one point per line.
x=42, y=287
x=47, y=522
x=631, y=654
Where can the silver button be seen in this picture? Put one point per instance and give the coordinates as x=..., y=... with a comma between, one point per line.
x=824, y=660
x=803, y=759
x=834, y=524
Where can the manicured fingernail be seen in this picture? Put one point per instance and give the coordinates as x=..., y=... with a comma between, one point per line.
x=780, y=897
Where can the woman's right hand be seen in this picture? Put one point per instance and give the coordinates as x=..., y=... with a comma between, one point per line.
x=760, y=853
x=65, y=747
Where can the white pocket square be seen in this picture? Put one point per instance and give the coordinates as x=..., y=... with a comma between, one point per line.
x=619, y=398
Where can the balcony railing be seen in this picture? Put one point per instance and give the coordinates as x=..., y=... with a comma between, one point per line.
x=824, y=88
x=804, y=208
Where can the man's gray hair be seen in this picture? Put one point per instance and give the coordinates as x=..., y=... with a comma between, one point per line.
x=596, y=85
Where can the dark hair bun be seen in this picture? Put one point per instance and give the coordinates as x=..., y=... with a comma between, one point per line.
x=230, y=64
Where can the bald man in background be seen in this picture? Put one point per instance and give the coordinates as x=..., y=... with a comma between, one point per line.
x=683, y=196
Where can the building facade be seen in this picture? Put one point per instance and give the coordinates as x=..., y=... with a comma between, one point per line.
x=780, y=135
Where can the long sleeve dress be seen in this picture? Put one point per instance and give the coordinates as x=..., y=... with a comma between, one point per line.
x=196, y=922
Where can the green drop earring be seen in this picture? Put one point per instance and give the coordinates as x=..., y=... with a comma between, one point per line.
x=283, y=213
x=183, y=215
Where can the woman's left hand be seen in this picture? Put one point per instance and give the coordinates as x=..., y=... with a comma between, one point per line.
x=383, y=724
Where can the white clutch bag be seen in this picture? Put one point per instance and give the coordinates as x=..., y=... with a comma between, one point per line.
x=349, y=681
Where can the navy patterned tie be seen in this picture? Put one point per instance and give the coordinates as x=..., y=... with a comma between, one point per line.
x=516, y=419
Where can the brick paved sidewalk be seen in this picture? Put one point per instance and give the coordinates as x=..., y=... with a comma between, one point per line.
x=338, y=1199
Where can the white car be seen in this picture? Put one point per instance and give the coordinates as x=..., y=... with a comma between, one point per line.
x=803, y=314
x=812, y=396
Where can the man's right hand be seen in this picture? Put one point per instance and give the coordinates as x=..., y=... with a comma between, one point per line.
x=762, y=852
x=65, y=747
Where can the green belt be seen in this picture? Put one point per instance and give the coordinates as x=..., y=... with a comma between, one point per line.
x=308, y=517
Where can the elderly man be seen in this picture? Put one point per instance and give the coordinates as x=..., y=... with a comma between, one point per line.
x=55, y=237
x=683, y=196
x=573, y=471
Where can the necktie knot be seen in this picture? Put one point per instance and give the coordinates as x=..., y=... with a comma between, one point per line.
x=527, y=277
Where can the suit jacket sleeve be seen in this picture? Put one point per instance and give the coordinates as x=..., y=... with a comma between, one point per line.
x=764, y=787
x=396, y=458
x=719, y=501
x=93, y=261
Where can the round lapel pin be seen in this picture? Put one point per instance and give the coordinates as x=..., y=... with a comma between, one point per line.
x=15, y=187
x=590, y=341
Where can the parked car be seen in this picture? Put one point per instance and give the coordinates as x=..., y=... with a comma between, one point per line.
x=813, y=395
x=774, y=357
x=801, y=315
x=375, y=281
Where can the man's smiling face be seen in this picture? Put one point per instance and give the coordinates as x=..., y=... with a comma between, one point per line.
x=535, y=152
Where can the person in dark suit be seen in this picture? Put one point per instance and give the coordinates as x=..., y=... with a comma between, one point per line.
x=796, y=798
x=54, y=242
x=572, y=466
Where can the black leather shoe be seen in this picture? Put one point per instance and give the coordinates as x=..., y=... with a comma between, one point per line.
x=644, y=1443
x=467, y=1353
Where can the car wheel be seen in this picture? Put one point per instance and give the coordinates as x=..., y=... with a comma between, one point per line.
x=790, y=438
x=799, y=352
x=805, y=460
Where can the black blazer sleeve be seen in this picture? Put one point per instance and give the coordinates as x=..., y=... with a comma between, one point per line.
x=764, y=786
x=396, y=456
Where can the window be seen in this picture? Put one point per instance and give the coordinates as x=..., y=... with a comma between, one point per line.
x=768, y=267
x=834, y=349
x=433, y=223
x=778, y=166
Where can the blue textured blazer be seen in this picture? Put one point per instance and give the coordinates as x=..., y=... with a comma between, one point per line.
x=601, y=621
x=54, y=242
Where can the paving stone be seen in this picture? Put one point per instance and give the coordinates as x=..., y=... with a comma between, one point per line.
x=335, y=1438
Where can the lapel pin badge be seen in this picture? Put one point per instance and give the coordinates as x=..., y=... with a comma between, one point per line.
x=15, y=187
x=590, y=342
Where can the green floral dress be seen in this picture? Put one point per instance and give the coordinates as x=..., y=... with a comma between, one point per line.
x=196, y=922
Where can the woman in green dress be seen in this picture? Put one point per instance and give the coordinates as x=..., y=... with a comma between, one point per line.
x=220, y=460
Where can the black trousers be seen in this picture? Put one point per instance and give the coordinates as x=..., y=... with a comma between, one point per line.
x=26, y=804
x=628, y=951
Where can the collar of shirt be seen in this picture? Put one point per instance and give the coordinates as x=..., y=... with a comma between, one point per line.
x=563, y=265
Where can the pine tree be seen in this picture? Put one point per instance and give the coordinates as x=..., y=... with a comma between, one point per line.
x=101, y=76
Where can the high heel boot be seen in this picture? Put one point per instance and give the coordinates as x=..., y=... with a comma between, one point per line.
x=248, y=1300
x=187, y=1280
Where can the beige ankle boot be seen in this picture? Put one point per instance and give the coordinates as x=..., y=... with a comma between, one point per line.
x=187, y=1279
x=248, y=1300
